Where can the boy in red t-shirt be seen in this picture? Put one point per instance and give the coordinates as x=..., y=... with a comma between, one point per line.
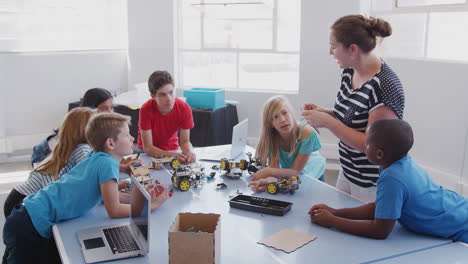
x=162, y=117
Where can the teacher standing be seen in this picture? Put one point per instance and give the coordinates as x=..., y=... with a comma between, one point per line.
x=369, y=91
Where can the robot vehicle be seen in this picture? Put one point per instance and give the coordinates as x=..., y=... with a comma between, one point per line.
x=184, y=177
x=233, y=169
x=284, y=185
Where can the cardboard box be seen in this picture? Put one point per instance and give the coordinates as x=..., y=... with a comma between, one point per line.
x=195, y=247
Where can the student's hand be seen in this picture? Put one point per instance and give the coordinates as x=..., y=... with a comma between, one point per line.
x=261, y=174
x=181, y=156
x=155, y=190
x=123, y=185
x=125, y=163
x=261, y=185
x=316, y=207
x=316, y=118
x=323, y=217
x=257, y=186
x=159, y=194
x=191, y=157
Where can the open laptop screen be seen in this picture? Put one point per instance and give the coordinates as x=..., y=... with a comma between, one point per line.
x=237, y=148
x=239, y=138
x=140, y=211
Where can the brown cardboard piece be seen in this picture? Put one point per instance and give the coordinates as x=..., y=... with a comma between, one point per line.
x=140, y=170
x=195, y=247
x=144, y=179
x=157, y=165
x=287, y=240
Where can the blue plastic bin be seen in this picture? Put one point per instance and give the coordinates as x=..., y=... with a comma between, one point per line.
x=207, y=98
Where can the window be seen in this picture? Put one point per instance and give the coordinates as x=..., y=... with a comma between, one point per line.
x=61, y=25
x=8, y=22
x=239, y=45
x=432, y=29
x=403, y=3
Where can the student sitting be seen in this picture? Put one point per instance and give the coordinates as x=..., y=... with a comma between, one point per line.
x=27, y=231
x=290, y=148
x=162, y=117
x=95, y=98
x=70, y=150
x=404, y=193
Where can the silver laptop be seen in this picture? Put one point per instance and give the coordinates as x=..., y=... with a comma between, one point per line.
x=239, y=141
x=124, y=240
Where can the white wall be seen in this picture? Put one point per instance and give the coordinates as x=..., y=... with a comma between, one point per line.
x=39, y=86
x=151, y=38
x=464, y=175
x=2, y=106
x=435, y=106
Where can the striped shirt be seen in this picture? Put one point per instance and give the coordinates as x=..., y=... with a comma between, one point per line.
x=352, y=108
x=37, y=181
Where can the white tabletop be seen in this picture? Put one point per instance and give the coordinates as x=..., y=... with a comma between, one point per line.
x=241, y=230
x=453, y=253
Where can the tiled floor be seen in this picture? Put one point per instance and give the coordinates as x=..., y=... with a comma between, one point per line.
x=16, y=172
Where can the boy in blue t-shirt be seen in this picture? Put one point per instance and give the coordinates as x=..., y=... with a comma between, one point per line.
x=404, y=193
x=27, y=233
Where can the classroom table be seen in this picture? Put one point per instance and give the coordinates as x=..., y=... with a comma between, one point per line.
x=453, y=253
x=241, y=230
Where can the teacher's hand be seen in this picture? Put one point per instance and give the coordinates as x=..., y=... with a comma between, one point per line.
x=316, y=118
x=310, y=107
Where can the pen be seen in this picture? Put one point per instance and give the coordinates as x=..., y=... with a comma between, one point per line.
x=138, y=155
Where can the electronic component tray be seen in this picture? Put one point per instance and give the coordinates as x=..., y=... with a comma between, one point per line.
x=260, y=205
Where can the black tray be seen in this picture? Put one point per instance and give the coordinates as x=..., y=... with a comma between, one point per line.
x=260, y=205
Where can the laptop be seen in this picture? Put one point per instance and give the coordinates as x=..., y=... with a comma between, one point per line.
x=239, y=141
x=122, y=240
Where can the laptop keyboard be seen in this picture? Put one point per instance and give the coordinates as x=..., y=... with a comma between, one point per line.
x=120, y=239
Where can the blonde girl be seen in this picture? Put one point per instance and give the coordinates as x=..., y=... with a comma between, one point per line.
x=287, y=146
x=69, y=151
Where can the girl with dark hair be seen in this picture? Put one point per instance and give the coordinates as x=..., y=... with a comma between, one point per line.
x=95, y=98
x=369, y=91
x=98, y=98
